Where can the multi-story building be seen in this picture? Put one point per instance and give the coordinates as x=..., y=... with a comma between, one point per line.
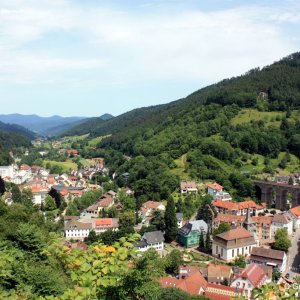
x=282, y=221
x=154, y=239
x=269, y=257
x=189, y=234
x=233, y=243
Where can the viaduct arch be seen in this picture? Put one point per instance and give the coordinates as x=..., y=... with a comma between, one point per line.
x=269, y=189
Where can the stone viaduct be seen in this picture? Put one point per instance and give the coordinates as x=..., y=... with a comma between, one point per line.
x=279, y=193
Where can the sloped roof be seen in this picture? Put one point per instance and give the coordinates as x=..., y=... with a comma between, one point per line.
x=220, y=292
x=296, y=211
x=281, y=218
x=228, y=205
x=198, y=225
x=153, y=237
x=268, y=253
x=74, y=224
x=188, y=185
x=214, y=270
x=230, y=218
x=215, y=186
x=238, y=233
x=152, y=204
x=191, y=284
x=254, y=273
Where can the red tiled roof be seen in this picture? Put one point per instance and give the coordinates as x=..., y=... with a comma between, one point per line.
x=188, y=185
x=263, y=220
x=280, y=218
x=214, y=270
x=238, y=233
x=215, y=186
x=104, y=223
x=191, y=285
x=105, y=202
x=255, y=274
x=151, y=204
x=220, y=292
x=228, y=205
x=296, y=211
x=229, y=218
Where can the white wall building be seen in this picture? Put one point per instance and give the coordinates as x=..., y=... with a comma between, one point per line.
x=7, y=171
x=154, y=239
x=77, y=230
x=282, y=221
x=233, y=243
x=295, y=216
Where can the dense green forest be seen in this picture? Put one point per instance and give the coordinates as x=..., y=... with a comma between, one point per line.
x=14, y=128
x=11, y=141
x=239, y=125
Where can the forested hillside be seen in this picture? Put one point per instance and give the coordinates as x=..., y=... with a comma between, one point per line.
x=14, y=128
x=209, y=131
x=11, y=141
x=279, y=82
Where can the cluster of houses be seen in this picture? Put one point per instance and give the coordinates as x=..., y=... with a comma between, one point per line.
x=40, y=181
x=218, y=281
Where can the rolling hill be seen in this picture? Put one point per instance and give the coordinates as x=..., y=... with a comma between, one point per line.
x=244, y=125
x=279, y=82
x=14, y=128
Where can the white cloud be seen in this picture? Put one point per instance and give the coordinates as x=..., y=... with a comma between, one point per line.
x=126, y=45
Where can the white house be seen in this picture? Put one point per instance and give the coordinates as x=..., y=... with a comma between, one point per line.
x=213, y=189
x=154, y=239
x=148, y=208
x=39, y=194
x=104, y=224
x=269, y=257
x=188, y=187
x=282, y=221
x=253, y=276
x=295, y=216
x=233, y=243
x=7, y=171
x=77, y=230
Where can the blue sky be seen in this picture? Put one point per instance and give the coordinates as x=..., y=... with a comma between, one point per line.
x=89, y=57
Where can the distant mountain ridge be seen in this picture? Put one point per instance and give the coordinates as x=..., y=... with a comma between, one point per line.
x=52, y=126
x=37, y=123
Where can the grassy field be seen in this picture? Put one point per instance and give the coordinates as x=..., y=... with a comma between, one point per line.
x=93, y=142
x=247, y=115
x=180, y=169
x=292, y=167
x=66, y=165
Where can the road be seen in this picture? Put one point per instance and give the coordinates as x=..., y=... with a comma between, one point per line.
x=294, y=256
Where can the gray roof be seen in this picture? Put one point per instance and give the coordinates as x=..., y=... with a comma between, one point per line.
x=267, y=253
x=198, y=225
x=153, y=237
x=179, y=216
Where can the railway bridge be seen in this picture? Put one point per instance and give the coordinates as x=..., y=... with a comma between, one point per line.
x=272, y=191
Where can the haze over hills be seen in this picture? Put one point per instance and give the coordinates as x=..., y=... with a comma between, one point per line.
x=45, y=125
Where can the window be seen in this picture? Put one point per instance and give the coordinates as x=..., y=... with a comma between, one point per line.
x=232, y=252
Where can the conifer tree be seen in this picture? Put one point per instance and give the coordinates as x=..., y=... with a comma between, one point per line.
x=2, y=186
x=208, y=243
x=16, y=194
x=201, y=241
x=170, y=221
